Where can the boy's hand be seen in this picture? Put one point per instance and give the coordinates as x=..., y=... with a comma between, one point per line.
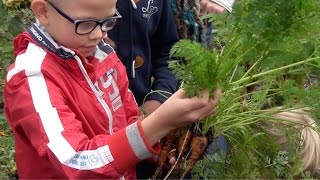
x=178, y=111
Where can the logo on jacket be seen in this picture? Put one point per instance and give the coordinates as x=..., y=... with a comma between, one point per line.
x=109, y=82
x=93, y=160
x=149, y=10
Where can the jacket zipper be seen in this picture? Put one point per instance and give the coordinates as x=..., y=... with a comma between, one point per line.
x=98, y=93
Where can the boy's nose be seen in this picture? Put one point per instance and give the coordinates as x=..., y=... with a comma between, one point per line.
x=96, y=33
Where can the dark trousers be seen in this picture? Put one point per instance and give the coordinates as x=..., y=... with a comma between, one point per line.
x=145, y=169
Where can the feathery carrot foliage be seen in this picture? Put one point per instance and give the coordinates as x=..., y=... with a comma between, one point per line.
x=269, y=57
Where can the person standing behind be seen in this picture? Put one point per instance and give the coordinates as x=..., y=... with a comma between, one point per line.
x=216, y=6
x=143, y=38
x=187, y=15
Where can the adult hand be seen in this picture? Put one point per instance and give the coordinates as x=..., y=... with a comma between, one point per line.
x=210, y=7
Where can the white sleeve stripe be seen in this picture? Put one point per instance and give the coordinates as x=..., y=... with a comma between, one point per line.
x=83, y=160
x=21, y=63
x=136, y=142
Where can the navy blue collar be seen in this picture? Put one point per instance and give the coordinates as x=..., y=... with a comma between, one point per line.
x=39, y=36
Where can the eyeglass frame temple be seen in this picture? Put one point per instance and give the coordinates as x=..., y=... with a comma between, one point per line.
x=76, y=22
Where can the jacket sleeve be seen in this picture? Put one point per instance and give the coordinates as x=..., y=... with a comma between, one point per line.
x=37, y=109
x=161, y=42
x=131, y=107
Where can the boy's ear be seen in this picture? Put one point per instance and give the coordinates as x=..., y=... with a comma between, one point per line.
x=40, y=10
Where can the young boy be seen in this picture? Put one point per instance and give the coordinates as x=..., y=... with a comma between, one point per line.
x=68, y=103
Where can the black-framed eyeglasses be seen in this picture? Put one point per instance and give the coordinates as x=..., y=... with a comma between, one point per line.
x=86, y=26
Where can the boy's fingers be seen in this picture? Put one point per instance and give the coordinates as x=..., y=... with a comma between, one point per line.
x=171, y=156
x=172, y=160
x=209, y=108
x=180, y=94
x=205, y=95
x=215, y=101
x=217, y=96
x=213, y=110
x=203, y=102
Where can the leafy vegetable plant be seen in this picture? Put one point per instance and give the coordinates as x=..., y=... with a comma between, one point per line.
x=269, y=58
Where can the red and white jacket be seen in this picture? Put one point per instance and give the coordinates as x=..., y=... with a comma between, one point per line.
x=72, y=118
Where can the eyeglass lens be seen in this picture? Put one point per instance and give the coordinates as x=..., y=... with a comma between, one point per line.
x=88, y=26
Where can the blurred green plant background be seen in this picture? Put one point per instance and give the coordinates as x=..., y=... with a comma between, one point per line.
x=12, y=22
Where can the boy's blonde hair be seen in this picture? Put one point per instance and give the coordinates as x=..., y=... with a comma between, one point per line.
x=310, y=144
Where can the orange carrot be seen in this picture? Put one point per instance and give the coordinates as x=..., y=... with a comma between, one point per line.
x=198, y=146
x=166, y=146
x=183, y=143
x=184, y=140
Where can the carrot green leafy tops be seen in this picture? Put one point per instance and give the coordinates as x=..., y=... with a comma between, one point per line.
x=269, y=56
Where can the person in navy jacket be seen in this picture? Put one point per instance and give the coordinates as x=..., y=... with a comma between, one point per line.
x=143, y=38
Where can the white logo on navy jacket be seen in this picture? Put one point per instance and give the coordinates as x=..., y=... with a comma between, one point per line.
x=149, y=10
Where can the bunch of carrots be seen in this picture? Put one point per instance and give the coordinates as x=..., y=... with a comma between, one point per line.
x=267, y=39
x=188, y=146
